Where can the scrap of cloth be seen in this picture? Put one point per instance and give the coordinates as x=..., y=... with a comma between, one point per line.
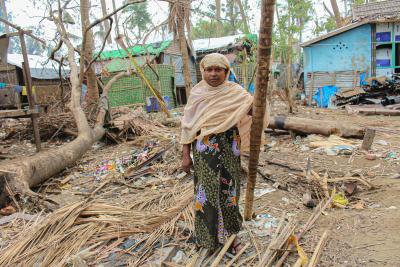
x=213, y=110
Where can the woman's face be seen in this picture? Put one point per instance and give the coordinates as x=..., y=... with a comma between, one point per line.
x=215, y=75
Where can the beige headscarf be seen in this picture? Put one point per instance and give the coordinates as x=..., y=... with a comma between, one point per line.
x=212, y=110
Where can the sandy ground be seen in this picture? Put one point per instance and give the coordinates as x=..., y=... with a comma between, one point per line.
x=365, y=233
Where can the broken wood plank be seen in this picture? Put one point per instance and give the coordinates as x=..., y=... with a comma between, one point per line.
x=368, y=139
x=361, y=180
x=230, y=263
x=372, y=111
x=310, y=222
x=223, y=251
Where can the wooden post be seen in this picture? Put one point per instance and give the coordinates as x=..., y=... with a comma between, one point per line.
x=260, y=97
x=28, y=84
x=368, y=139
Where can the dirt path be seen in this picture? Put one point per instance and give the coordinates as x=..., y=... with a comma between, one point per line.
x=368, y=236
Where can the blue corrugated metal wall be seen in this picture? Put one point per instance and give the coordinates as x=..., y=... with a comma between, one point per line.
x=348, y=51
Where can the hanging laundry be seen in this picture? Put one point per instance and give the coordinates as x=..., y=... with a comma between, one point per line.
x=18, y=89
x=2, y=85
x=24, y=91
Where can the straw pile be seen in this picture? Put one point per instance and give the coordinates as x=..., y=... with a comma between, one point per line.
x=89, y=230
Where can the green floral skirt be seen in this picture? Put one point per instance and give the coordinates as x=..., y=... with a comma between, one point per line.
x=217, y=188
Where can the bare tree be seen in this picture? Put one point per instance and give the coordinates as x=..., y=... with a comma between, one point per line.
x=106, y=23
x=244, y=17
x=87, y=54
x=23, y=174
x=178, y=20
x=218, y=17
x=336, y=12
x=4, y=13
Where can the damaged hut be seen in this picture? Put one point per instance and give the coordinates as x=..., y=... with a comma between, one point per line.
x=161, y=61
x=344, y=60
x=45, y=81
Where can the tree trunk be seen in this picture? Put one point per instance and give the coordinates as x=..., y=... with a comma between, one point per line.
x=115, y=19
x=23, y=174
x=180, y=21
x=4, y=13
x=232, y=16
x=218, y=17
x=289, y=63
x=259, y=105
x=310, y=126
x=336, y=12
x=87, y=53
x=106, y=22
x=244, y=17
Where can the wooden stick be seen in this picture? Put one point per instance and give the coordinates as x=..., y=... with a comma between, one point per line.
x=223, y=251
x=278, y=242
x=238, y=255
x=297, y=263
x=318, y=250
x=310, y=222
x=363, y=181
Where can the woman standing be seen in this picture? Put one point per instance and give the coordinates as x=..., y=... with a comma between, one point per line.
x=214, y=122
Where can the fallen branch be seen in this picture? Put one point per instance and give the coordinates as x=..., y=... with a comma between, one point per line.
x=223, y=251
x=310, y=222
x=318, y=250
x=359, y=179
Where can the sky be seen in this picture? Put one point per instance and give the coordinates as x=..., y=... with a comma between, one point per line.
x=26, y=13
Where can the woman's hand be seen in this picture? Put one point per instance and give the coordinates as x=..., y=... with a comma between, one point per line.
x=187, y=162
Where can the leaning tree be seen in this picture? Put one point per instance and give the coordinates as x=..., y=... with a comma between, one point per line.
x=19, y=176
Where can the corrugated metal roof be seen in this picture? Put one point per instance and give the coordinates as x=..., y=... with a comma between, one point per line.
x=122, y=64
x=137, y=50
x=376, y=10
x=40, y=67
x=208, y=44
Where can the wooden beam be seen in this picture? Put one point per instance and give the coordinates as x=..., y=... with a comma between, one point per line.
x=19, y=29
x=368, y=139
x=28, y=84
x=17, y=113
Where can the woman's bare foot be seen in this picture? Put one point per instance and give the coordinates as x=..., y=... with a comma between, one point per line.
x=236, y=246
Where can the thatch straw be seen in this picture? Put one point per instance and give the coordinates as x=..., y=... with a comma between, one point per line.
x=63, y=234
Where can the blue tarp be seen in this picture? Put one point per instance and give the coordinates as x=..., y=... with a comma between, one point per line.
x=232, y=78
x=327, y=92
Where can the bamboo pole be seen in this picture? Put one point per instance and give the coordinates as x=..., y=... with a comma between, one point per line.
x=260, y=97
x=223, y=251
x=139, y=70
x=318, y=250
x=29, y=91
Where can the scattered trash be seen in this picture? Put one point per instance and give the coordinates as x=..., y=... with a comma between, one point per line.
x=340, y=199
x=265, y=224
x=381, y=142
x=359, y=205
x=392, y=155
x=179, y=258
x=370, y=156
x=259, y=192
x=304, y=148
x=332, y=146
x=396, y=176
